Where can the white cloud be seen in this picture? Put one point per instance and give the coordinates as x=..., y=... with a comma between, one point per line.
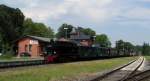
x=111, y=15
x=134, y=17
x=30, y=3
x=94, y=10
x=138, y=13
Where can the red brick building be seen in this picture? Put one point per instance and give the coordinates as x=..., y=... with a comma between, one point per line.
x=32, y=45
x=80, y=38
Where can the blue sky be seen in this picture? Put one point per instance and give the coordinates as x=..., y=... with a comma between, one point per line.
x=119, y=19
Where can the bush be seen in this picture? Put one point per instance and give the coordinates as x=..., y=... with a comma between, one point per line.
x=7, y=55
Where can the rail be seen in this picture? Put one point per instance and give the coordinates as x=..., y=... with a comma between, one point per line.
x=119, y=74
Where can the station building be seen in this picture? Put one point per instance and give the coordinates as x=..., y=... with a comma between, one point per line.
x=32, y=45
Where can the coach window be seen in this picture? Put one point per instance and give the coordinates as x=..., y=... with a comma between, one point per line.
x=30, y=48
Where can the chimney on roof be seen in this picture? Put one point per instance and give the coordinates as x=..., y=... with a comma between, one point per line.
x=73, y=31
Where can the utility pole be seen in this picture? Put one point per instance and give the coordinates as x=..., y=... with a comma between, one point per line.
x=66, y=32
x=49, y=34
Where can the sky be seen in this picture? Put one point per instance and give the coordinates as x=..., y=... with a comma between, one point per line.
x=119, y=19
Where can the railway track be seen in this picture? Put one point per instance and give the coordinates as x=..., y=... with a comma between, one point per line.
x=11, y=64
x=142, y=76
x=122, y=73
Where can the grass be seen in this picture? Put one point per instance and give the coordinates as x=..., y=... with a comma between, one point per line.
x=8, y=57
x=54, y=72
x=147, y=57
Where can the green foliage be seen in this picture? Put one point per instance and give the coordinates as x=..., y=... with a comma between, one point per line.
x=120, y=46
x=11, y=21
x=124, y=47
x=11, y=26
x=147, y=57
x=138, y=49
x=103, y=40
x=146, y=49
x=37, y=29
x=0, y=44
x=129, y=48
x=7, y=55
x=62, y=32
x=87, y=31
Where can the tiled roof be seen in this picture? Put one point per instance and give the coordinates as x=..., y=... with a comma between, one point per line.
x=40, y=38
x=76, y=34
x=81, y=36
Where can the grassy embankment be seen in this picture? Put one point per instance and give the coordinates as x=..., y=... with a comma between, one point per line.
x=58, y=71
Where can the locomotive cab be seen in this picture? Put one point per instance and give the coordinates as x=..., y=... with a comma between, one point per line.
x=60, y=51
x=50, y=55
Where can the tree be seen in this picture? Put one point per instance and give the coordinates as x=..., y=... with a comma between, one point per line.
x=146, y=49
x=128, y=48
x=103, y=40
x=62, y=32
x=87, y=31
x=124, y=48
x=37, y=29
x=0, y=43
x=11, y=25
x=120, y=46
x=138, y=49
